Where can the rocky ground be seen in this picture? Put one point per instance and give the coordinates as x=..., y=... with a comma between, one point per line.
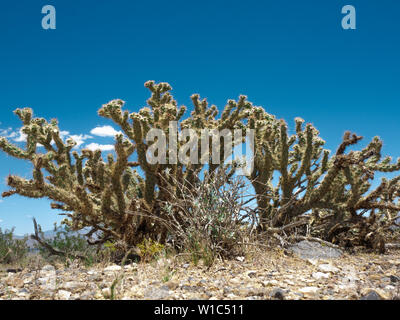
x=317, y=272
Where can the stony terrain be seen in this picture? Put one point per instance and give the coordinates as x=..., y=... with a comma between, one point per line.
x=263, y=274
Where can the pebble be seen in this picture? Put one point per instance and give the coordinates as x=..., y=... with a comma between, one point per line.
x=251, y=273
x=267, y=278
x=277, y=293
x=327, y=268
x=72, y=285
x=320, y=275
x=48, y=267
x=112, y=268
x=312, y=290
x=64, y=295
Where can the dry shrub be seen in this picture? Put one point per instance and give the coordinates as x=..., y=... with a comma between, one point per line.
x=210, y=218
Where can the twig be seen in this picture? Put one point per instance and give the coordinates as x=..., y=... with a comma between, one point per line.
x=50, y=248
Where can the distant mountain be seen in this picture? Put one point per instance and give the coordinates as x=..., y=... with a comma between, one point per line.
x=49, y=234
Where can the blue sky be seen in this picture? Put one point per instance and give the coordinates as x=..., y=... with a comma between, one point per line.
x=291, y=57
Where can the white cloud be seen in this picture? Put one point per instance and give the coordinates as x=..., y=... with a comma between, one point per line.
x=21, y=138
x=79, y=138
x=63, y=134
x=104, y=131
x=8, y=133
x=1, y=221
x=17, y=136
x=103, y=147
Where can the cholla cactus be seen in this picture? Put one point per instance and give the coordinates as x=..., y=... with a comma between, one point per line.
x=332, y=194
x=311, y=181
x=110, y=196
x=92, y=193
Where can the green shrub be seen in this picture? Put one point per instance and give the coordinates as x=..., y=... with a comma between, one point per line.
x=12, y=250
x=149, y=249
x=72, y=244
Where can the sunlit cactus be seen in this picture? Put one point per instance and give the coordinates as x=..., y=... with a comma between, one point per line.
x=109, y=195
x=311, y=182
x=297, y=183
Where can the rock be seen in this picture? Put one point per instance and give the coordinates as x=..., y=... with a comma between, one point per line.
x=47, y=283
x=23, y=293
x=72, y=285
x=87, y=295
x=190, y=288
x=48, y=267
x=373, y=294
x=251, y=273
x=106, y=292
x=130, y=267
x=390, y=288
x=269, y=283
x=327, y=268
x=394, y=279
x=172, y=285
x=64, y=295
x=313, y=262
x=320, y=275
x=113, y=268
x=309, y=290
x=313, y=250
x=278, y=294
x=241, y=259
x=252, y=292
x=154, y=293
x=186, y=265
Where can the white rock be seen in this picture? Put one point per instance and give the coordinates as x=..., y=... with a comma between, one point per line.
x=241, y=259
x=309, y=290
x=48, y=267
x=72, y=285
x=327, y=268
x=112, y=268
x=320, y=275
x=106, y=292
x=128, y=267
x=64, y=295
x=313, y=262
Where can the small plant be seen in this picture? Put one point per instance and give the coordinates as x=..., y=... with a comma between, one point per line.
x=169, y=273
x=12, y=250
x=150, y=249
x=113, y=287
